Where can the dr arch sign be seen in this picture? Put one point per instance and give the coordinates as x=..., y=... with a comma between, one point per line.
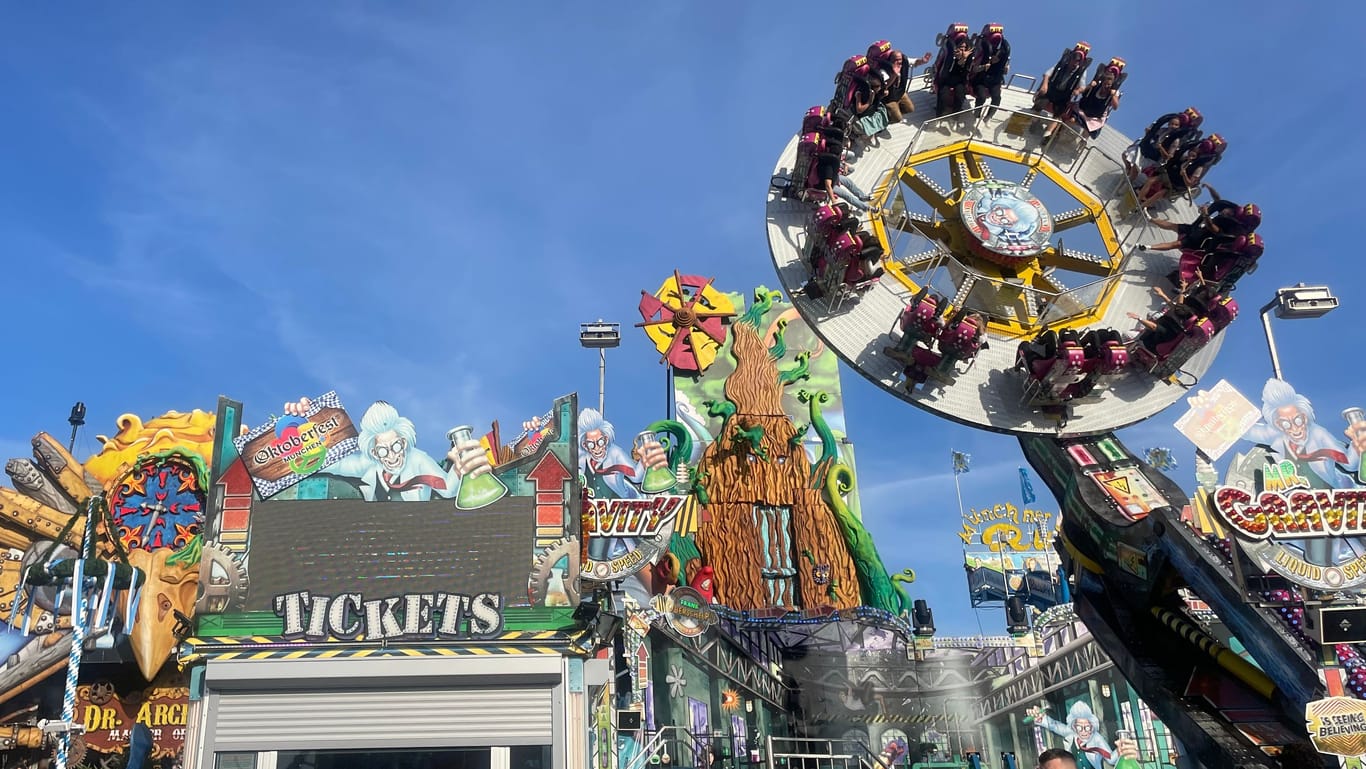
x=1298, y=532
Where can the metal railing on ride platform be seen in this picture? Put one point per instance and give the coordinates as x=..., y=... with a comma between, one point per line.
x=1096, y=179
x=819, y=753
x=701, y=750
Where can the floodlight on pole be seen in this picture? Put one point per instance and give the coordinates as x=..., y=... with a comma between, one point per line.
x=600, y=336
x=1293, y=303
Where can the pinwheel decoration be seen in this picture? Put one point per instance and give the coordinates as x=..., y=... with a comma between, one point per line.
x=686, y=319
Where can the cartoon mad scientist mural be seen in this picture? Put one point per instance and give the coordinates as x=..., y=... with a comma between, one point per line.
x=1082, y=735
x=391, y=468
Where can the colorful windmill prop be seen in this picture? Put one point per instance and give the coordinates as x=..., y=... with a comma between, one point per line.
x=686, y=319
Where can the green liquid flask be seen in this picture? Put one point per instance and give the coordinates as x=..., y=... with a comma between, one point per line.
x=657, y=479
x=1126, y=762
x=479, y=490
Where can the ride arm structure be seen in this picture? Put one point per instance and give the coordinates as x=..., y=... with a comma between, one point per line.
x=1124, y=538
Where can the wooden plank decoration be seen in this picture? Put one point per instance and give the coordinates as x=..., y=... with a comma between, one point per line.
x=740, y=475
x=27, y=519
x=63, y=468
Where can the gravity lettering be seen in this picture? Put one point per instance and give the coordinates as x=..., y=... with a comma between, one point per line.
x=630, y=517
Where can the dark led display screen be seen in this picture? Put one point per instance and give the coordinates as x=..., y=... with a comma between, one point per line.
x=331, y=546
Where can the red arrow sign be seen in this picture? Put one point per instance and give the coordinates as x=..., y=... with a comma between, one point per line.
x=549, y=476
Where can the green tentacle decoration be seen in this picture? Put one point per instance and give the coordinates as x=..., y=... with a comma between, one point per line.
x=696, y=479
x=798, y=372
x=677, y=441
x=779, y=348
x=763, y=302
x=723, y=409
x=751, y=439
x=876, y=588
x=906, y=577
x=829, y=449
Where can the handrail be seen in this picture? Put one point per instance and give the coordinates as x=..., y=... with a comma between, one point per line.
x=914, y=144
x=653, y=744
x=1049, y=299
x=849, y=750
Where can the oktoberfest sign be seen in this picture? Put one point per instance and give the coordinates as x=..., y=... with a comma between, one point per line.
x=285, y=450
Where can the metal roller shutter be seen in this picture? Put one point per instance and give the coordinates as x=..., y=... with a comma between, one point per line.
x=407, y=718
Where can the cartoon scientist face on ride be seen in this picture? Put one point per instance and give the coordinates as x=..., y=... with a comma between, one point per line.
x=1006, y=218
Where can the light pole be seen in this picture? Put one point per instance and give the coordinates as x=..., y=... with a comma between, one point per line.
x=1298, y=301
x=600, y=336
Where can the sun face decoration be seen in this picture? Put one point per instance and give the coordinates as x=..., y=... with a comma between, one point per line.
x=730, y=700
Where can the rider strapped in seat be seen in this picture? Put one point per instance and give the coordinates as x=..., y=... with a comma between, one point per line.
x=1095, y=102
x=990, y=63
x=1055, y=92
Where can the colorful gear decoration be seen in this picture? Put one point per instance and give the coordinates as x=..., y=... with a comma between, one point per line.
x=686, y=319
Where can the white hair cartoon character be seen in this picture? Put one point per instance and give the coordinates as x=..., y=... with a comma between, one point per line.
x=1290, y=429
x=1082, y=732
x=390, y=466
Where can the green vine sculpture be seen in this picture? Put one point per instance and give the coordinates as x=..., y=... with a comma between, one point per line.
x=875, y=586
x=779, y=347
x=907, y=576
x=798, y=437
x=677, y=441
x=751, y=440
x=829, y=450
x=697, y=477
x=723, y=409
x=763, y=302
x=798, y=372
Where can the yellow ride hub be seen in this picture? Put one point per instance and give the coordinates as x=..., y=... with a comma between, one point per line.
x=1007, y=278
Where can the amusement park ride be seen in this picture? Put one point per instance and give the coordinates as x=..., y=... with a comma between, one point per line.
x=995, y=276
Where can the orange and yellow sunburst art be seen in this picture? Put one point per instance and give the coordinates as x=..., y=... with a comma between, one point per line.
x=730, y=700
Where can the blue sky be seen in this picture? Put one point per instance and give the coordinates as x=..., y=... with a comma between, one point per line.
x=422, y=202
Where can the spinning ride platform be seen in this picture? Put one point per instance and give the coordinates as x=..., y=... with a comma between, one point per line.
x=977, y=234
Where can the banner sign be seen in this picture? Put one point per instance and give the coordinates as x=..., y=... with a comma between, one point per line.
x=624, y=536
x=1297, y=532
x=110, y=714
x=285, y=450
x=1217, y=418
x=1337, y=725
